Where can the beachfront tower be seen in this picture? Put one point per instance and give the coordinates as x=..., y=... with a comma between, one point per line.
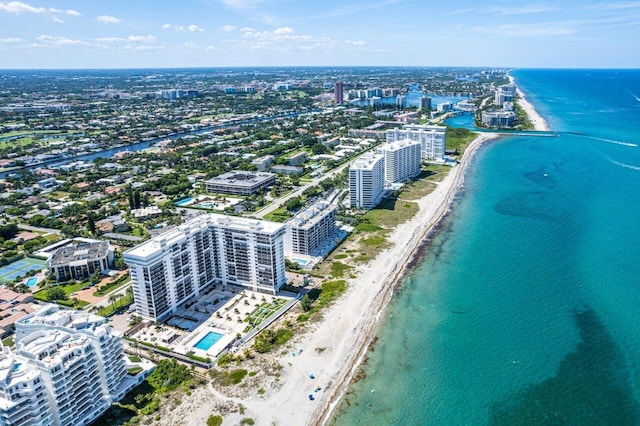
x=432, y=139
x=402, y=160
x=180, y=264
x=309, y=231
x=366, y=181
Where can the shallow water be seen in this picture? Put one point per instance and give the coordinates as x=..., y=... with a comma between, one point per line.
x=525, y=308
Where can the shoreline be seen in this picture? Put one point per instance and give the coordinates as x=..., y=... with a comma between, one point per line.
x=334, y=348
x=538, y=121
x=413, y=249
x=338, y=345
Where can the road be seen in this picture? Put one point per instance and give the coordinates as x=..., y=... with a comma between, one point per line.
x=36, y=229
x=276, y=204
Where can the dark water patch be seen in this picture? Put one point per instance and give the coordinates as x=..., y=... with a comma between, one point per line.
x=591, y=386
x=541, y=177
x=530, y=204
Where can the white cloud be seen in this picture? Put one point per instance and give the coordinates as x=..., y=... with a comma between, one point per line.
x=110, y=39
x=142, y=38
x=106, y=19
x=19, y=7
x=58, y=20
x=210, y=48
x=59, y=41
x=11, y=40
x=180, y=28
x=283, y=30
x=286, y=39
x=142, y=48
x=228, y=28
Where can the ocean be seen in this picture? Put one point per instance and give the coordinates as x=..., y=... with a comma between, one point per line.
x=525, y=308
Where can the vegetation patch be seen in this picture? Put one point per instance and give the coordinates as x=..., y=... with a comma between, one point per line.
x=214, y=420
x=269, y=339
x=144, y=399
x=457, y=139
x=338, y=269
x=228, y=378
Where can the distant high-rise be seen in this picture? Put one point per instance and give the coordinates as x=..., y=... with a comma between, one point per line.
x=401, y=102
x=432, y=139
x=424, y=103
x=338, y=92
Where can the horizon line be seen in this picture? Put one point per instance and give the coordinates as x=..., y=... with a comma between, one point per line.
x=316, y=66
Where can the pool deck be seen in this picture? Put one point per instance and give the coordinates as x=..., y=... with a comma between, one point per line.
x=189, y=325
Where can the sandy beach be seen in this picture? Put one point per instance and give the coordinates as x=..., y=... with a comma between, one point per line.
x=337, y=345
x=539, y=123
x=333, y=349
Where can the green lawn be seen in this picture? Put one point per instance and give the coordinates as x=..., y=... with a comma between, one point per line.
x=121, y=303
x=457, y=139
x=264, y=311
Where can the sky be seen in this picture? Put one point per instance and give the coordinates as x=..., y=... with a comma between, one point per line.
x=219, y=33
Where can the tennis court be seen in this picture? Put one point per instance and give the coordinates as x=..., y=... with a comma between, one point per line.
x=19, y=267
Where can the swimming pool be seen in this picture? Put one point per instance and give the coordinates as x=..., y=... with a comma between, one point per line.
x=208, y=340
x=32, y=281
x=184, y=201
x=301, y=262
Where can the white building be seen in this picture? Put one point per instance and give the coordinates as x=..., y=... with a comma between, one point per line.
x=310, y=229
x=78, y=262
x=504, y=93
x=23, y=398
x=499, y=118
x=70, y=366
x=178, y=265
x=432, y=139
x=366, y=181
x=401, y=160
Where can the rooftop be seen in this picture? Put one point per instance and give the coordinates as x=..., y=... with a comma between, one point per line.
x=200, y=223
x=241, y=178
x=308, y=217
x=88, y=251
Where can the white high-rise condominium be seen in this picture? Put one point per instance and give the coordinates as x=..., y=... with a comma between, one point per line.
x=366, y=181
x=23, y=396
x=69, y=365
x=178, y=265
x=401, y=160
x=309, y=230
x=432, y=139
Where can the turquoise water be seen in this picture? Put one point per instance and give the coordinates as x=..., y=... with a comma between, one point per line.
x=32, y=281
x=524, y=309
x=208, y=340
x=184, y=201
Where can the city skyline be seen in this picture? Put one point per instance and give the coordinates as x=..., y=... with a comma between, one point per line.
x=219, y=33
